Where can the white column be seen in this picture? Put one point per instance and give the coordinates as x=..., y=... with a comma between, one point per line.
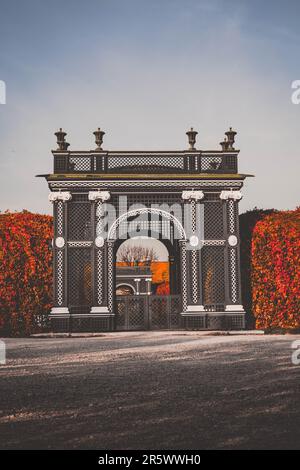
x=233, y=296
x=193, y=198
x=137, y=284
x=59, y=199
x=100, y=306
x=149, y=281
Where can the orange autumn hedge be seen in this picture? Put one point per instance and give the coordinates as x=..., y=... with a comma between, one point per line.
x=26, y=272
x=275, y=276
x=271, y=238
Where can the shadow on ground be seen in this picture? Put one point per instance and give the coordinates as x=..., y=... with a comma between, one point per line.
x=148, y=391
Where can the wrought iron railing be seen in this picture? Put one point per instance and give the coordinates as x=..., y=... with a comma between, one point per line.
x=155, y=162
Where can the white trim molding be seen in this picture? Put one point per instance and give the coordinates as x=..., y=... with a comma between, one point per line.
x=194, y=309
x=59, y=311
x=234, y=308
x=145, y=183
x=99, y=309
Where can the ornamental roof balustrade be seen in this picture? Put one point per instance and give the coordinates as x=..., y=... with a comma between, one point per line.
x=140, y=162
x=145, y=162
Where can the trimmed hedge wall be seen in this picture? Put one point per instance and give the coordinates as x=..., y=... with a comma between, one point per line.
x=26, y=272
x=270, y=267
x=275, y=266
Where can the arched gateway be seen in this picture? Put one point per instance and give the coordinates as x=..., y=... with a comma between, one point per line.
x=186, y=199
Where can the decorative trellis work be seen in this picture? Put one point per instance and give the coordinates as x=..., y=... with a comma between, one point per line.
x=213, y=276
x=79, y=276
x=146, y=193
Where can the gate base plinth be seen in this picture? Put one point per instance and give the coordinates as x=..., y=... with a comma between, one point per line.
x=214, y=321
x=82, y=323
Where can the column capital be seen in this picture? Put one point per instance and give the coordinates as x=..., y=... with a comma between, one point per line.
x=99, y=195
x=189, y=195
x=235, y=195
x=60, y=196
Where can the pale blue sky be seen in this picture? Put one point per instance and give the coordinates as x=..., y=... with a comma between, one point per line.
x=145, y=71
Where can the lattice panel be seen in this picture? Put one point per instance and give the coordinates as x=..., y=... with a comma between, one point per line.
x=159, y=312
x=193, y=264
x=99, y=218
x=59, y=277
x=145, y=224
x=213, y=275
x=136, y=312
x=160, y=228
x=59, y=218
x=215, y=322
x=80, y=197
x=162, y=201
x=60, y=325
x=210, y=163
x=211, y=196
x=234, y=322
x=148, y=184
x=183, y=261
x=195, y=323
x=79, y=276
x=147, y=163
x=83, y=164
x=79, y=218
x=175, y=311
x=99, y=275
x=121, y=312
x=213, y=221
x=233, y=275
x=232, y=216
x=59, y=163
x=231, y=163
x=89, y=324
x=110, y=276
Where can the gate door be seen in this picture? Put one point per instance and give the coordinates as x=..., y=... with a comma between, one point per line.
x=148, y=312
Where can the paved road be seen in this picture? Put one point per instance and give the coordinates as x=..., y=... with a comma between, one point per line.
x=150, y=391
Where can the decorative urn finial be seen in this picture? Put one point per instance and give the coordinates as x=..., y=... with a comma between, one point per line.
x=61, y=142
x=99, y=138
x=224, y=144
x=192, y=138
x=230, y=137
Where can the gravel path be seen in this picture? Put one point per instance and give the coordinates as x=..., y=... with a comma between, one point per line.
x=150, y=390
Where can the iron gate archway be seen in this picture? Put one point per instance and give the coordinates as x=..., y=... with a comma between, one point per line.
x=147, y=312
x=203, y=184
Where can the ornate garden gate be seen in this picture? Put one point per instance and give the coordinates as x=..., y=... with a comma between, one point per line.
x=148, y=312
x=188, y=199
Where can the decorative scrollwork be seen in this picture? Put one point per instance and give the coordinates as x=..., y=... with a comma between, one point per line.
x=60, y=196
x=99, y=195
x=196, y=195
x=235, y=195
